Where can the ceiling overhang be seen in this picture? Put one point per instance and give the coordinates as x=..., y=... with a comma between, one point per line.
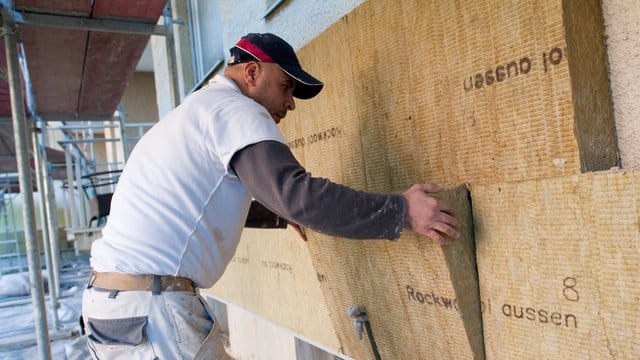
x=78, y=67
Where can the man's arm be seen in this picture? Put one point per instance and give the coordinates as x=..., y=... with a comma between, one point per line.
x=275, y=178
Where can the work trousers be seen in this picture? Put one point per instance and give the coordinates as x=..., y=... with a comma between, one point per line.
x=142, y=325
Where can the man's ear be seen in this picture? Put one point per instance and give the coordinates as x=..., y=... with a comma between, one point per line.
x=251, y=72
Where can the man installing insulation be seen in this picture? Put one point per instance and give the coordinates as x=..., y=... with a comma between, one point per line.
x=185, y=194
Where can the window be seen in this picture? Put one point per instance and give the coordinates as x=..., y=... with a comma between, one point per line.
x=272, y=5
x=206, y=37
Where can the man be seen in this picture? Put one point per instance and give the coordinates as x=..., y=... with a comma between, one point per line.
x=183, y=199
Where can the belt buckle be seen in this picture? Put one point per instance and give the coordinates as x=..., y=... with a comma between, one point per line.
x=92, y=279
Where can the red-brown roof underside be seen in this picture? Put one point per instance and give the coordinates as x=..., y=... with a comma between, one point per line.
x=76, y=72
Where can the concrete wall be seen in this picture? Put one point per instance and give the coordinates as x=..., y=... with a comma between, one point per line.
x=138, y=100
x=298, y=21
x=140, y=106
x=623, y=47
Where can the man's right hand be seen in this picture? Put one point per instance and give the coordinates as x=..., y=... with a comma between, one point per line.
x=428, y=215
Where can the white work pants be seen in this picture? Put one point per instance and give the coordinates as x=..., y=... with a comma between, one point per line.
x=141, y=325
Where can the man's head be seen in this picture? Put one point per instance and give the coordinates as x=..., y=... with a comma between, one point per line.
x=267, y=69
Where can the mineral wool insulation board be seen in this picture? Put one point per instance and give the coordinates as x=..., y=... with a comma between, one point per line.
x=559, y=266
x=481, y=92
x=475, y=91
x=272, y=275
x=413, y=291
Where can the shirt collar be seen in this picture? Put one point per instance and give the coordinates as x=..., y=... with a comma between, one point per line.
x=225, y=81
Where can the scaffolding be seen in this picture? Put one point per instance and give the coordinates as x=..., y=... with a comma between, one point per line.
x=90, y=182
x=79, y=164
x=10, y=251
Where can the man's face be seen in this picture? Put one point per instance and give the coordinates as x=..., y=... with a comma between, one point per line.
x=273, y=89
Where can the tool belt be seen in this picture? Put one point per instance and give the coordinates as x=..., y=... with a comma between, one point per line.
x=153, y=283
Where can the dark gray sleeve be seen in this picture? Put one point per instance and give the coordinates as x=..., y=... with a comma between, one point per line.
x=274, y=177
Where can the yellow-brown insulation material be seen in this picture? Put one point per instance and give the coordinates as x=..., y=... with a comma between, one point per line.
x=559, y=266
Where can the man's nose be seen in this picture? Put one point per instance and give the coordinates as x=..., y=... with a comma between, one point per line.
x=290, y=103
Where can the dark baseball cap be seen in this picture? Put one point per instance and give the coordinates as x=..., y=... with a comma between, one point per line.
x=270, y=48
